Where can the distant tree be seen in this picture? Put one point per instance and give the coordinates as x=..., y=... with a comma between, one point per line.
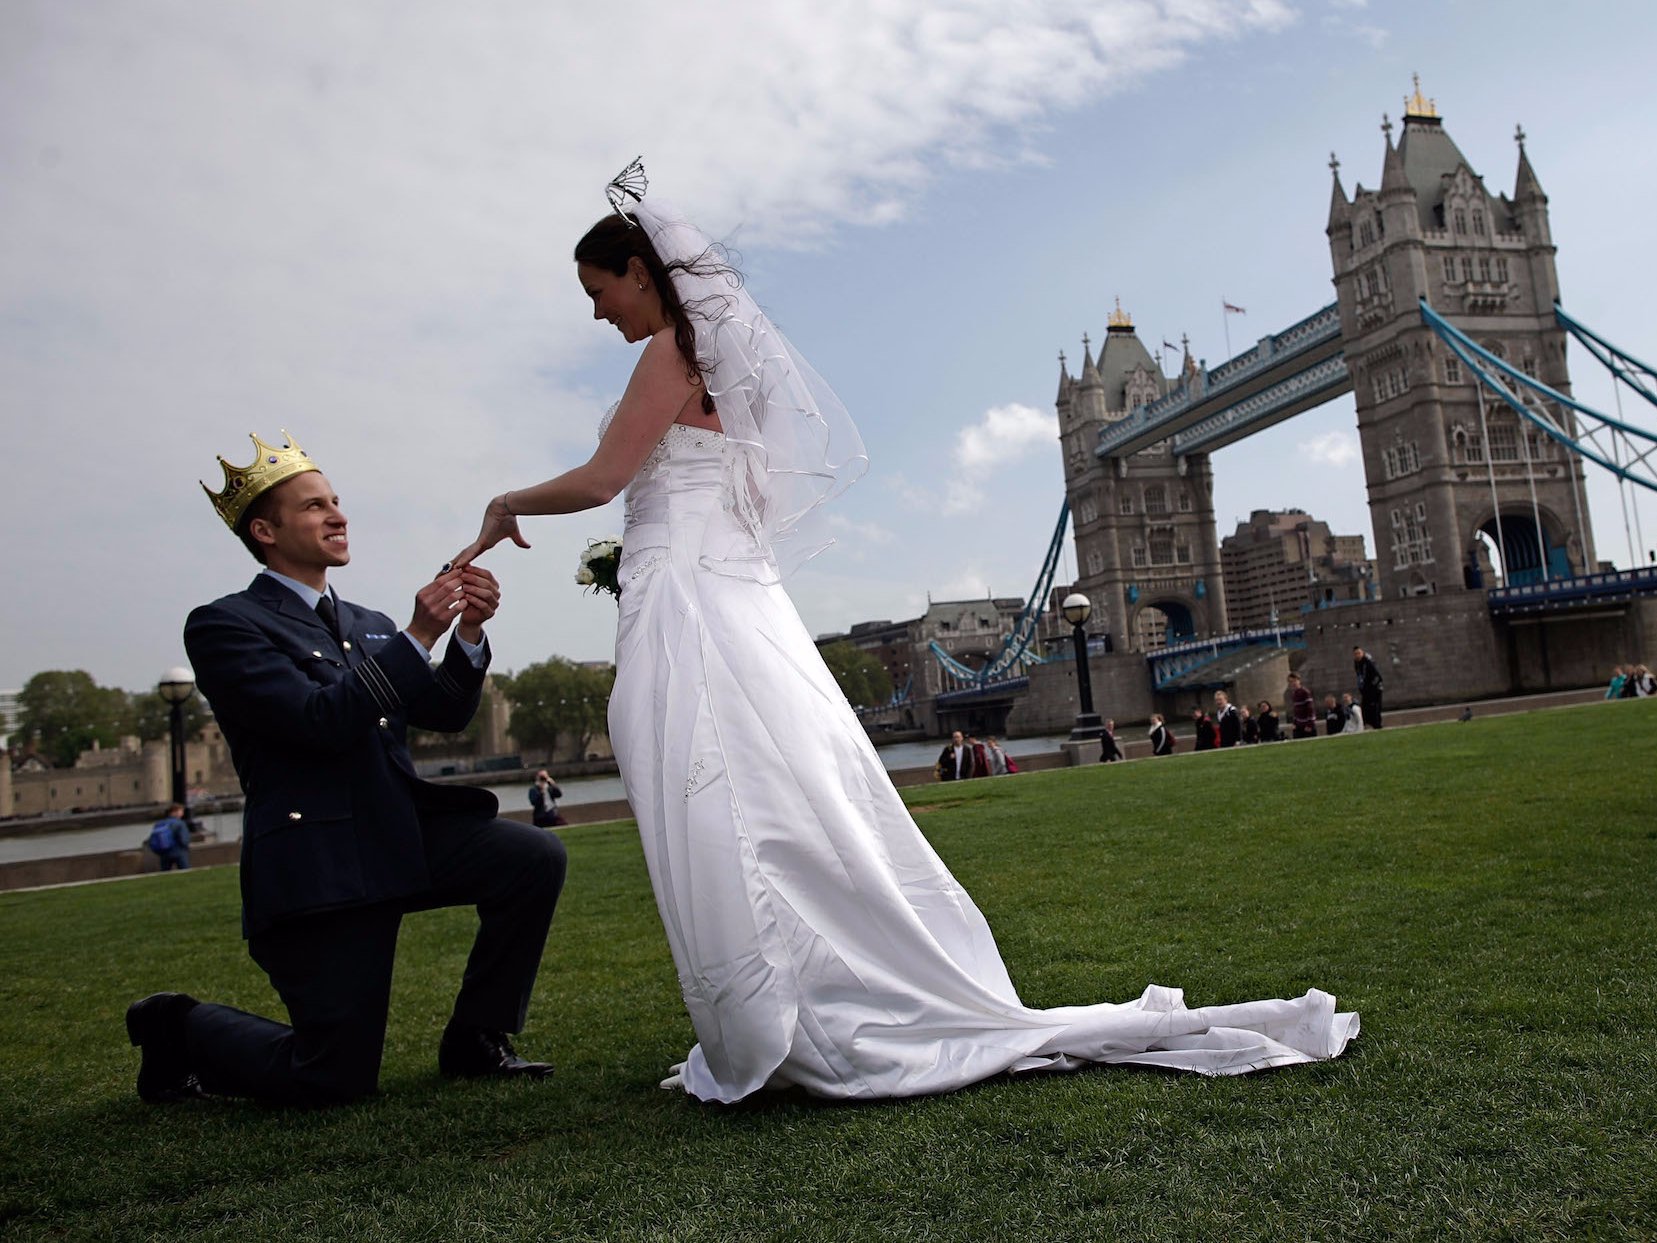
x=863, y=678
x=151, y=715
x=557, y=700
x=63, y=712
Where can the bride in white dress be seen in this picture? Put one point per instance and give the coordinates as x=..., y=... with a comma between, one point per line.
x=820, y=941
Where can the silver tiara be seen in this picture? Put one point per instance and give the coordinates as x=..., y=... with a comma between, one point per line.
x=629, y=183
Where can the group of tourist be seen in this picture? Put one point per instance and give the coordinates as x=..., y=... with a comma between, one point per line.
x=1631, y=682
x=964, y=757
x=1233, y=725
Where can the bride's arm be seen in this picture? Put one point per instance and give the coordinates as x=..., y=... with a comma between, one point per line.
x=656, y=392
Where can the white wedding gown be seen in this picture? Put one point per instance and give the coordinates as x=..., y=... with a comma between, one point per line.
x=820, y=942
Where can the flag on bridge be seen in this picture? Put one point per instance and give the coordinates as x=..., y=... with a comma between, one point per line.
x=1232, y=310
x=1169, y=345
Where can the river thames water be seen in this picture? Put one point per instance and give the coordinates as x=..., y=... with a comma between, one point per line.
x=227, y=826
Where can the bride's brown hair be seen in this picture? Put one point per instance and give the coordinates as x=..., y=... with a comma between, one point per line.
x=609, y=245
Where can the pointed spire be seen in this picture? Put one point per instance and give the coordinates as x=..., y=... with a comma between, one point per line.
x=1065, y=383
x=1526, y=186
x=1338, y=202
x=1090, y=373
x=1392, y=167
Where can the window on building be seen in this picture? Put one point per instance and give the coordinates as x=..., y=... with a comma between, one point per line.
x=1088, y=511
x=1156, y=499
x=1452, y=370
x=1478, y=222
x=1484, y=270
x=1504, y=442
x=1527, y=364
x=1449, y=267
x=1466, y=268
x=1459, y=217
x=1162, y=550
x=1139, y=556
x=1501, y=269
x=1125, y=504
x=1366, y=233
x=1411, y=544
x=1182, y=554
x=1185, y=500
x=1378, y=278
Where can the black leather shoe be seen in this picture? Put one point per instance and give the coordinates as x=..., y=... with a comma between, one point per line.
x=155, y=1025
x=473, y=1053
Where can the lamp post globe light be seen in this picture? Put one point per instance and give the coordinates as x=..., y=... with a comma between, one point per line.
x=176, y=687
x=1077, y=608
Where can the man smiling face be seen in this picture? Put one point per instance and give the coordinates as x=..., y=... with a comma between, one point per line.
x=303, y=533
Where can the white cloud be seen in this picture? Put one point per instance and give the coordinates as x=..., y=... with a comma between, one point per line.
x=1004, y=435
x=1337, y=448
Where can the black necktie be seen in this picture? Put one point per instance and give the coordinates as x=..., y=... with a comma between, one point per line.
x=330, y=618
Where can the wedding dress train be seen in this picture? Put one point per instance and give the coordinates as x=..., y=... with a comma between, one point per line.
x=819, y=940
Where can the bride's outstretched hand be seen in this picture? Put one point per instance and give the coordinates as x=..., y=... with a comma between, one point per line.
x=499, y=523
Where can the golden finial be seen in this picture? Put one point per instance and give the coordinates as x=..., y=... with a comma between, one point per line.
x=1417, y=106
x=269, y=467
x=1120, y=318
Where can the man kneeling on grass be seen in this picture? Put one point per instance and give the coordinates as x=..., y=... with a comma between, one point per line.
x=340, y=837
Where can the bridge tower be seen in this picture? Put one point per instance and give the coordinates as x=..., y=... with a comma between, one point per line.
x=1146, y=550
x=1444, y=468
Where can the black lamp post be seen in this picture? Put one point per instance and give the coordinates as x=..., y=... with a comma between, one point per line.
x=176, y=687
x=1077, y=608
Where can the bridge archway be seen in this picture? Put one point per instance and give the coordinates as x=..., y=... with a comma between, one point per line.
x=1517, y=548
x=1157, y=623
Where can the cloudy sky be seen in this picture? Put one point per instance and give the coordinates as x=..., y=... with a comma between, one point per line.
x=353, y=219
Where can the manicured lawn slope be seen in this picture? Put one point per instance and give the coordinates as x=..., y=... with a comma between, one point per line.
x=1482, y=893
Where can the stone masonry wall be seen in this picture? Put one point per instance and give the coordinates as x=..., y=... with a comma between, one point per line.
x=1430, y=649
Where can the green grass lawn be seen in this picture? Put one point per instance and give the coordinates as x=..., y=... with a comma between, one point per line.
x=1482, y=893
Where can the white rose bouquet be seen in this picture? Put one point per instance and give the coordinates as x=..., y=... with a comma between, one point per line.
x=600, y=562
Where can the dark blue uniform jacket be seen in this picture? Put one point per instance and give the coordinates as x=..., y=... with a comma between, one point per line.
x=316, y=729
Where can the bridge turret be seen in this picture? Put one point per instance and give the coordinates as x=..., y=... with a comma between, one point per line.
x=1340, y=213
x=1066, y=386
x=1530, y=205
x=1397, y=198
x=1090, y=389
x=1443, y=471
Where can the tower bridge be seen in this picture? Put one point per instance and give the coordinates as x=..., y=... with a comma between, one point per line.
x=1447, y=329
x=1450, y=474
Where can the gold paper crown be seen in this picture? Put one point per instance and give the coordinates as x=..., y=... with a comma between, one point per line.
x=243, y=484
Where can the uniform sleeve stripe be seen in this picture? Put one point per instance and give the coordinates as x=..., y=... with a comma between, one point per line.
x=378, y=685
